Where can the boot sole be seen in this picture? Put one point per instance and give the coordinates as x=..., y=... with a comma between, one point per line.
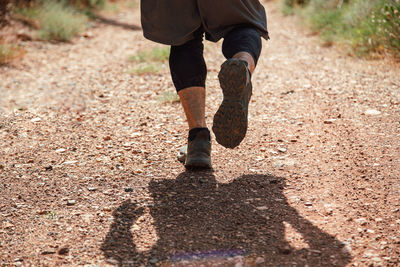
x=230, y=121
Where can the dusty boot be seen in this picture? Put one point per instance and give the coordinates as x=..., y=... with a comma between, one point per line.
x=198, y=150
x=230, y=121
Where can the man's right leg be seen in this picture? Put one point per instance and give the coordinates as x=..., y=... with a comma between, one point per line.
x=242, y=48
x=189, y=71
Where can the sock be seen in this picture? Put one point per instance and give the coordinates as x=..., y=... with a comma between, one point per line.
x=193, y=133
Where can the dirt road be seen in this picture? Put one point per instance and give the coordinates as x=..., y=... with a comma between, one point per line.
x=89, y=174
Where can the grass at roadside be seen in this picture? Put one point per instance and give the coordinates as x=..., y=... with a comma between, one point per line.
x=9, y=52
x=146, y=68
x=369, y=27
x=160, y=54
x=55, y=21
x=169, y=97
x=150, y=61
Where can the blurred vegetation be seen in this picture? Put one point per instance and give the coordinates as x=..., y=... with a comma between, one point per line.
x=9, y=52
x=150, y=61
x=51, y=20
x=369, y=27
x=146, y=68
x=55, y=21
x=156, y=54
x=169, y=97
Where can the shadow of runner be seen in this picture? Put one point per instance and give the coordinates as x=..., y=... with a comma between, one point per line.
x=118, y=243
x=202, y=222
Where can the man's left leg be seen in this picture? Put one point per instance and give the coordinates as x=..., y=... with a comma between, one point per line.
x=188, y=71
x=194, y=104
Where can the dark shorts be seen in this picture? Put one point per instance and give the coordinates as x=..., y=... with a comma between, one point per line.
x=186, y=61
x=174, y=22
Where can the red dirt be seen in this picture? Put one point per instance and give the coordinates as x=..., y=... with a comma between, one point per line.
x=89, y=174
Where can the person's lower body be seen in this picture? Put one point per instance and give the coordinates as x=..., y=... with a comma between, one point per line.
x=242, y=48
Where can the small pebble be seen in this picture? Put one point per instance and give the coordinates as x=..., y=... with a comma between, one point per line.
x=112, y=261
x=372, y=112
x=70, y=162
x=153, y=260
x=48, y=251
x=329, y=121
x=203, y=180
x=361, y=221
x=71, y=202
x=35, y=120
x=7, y=225
x=48, y=168
x=285, y=250
x=282, y=149
x=136, y=134
x=329, y=212
x=260, y=260
x=315, y=251
x=128, y=189
x=63, y=250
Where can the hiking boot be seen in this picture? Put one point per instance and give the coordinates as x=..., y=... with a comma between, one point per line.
x=230, y=121
x=197, y=153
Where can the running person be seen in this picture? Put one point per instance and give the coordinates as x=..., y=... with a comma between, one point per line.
x=182, y=24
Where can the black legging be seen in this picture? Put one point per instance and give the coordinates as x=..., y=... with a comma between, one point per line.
x=186, y=62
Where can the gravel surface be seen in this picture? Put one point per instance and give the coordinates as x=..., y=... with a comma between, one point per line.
x=89, y=174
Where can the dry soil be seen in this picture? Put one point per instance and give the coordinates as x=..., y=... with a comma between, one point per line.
x=89, y=174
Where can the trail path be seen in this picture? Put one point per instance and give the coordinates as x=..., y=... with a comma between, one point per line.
x=89, y=174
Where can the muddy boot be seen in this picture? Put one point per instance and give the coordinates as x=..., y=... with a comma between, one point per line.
x=230, y=121
x=197, y=153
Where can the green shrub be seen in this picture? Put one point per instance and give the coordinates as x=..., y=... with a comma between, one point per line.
x=55, y=20
x=380, y=32
x=368, y=26
x=59, y=22
x=30, y=15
